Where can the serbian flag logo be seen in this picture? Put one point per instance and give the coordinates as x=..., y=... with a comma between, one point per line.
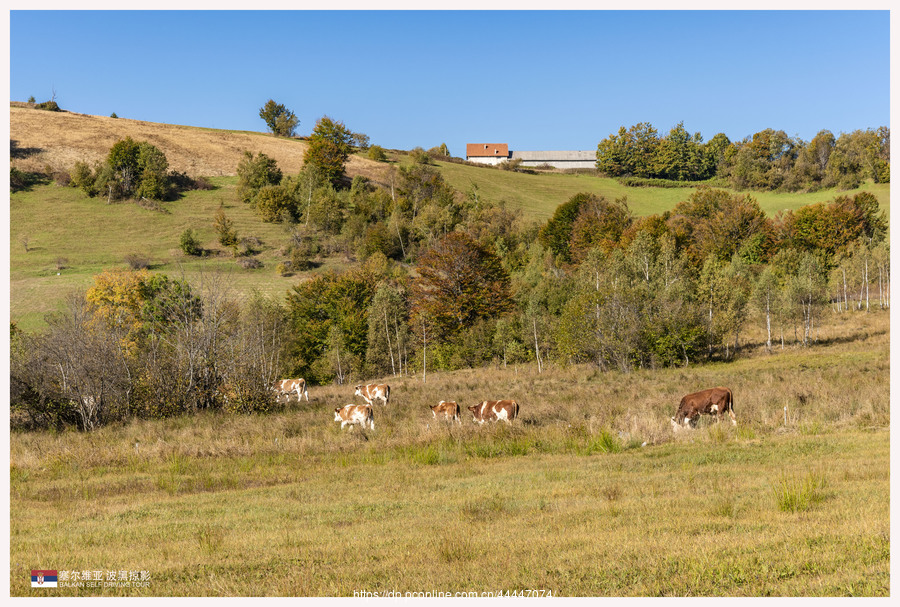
x=41, y=578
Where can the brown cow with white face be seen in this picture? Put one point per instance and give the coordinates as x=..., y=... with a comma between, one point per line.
x=285, y=386
x=494, y=410
x=713, y=401
x=373, y=392
x=446, y=409
x=351, y=415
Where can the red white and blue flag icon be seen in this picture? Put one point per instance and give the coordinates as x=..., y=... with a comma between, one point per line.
x=43, y=578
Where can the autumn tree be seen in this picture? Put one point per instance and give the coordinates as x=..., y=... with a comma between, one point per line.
x=458, y=283
x=716, y=222
x=599, y=224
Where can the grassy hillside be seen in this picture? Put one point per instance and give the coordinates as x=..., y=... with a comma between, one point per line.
x=539, y=194
x=71, y=237
x=791, y=502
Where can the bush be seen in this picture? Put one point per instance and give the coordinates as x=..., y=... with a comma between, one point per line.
x=254, y=173
x=113, y=115
x=183, y=183
x=647, y=182
x=83, y=177
x=62, y=178
x=273, y=203
x=419, y=156
x=510, y=165
x=250, y=263
x=21, y=180
x=49, y=106
x=225, y=229
x=137, y=261
x=189, y=243
x=376, y=153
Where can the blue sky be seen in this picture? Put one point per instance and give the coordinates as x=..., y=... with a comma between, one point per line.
x=532, y=79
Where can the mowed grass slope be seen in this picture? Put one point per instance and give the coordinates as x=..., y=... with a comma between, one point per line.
x=72, y=237
x=791, y=502
x=539, y=194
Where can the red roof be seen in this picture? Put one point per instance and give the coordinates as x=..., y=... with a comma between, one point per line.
x=493, y=150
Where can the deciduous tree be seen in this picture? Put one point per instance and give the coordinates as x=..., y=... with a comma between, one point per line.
x=280, y=120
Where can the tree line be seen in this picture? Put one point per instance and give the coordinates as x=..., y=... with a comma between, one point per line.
x=767, y=160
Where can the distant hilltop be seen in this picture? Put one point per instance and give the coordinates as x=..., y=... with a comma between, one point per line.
x=495, y=153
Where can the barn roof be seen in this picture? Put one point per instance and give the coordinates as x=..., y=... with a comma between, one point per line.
x=492, y=150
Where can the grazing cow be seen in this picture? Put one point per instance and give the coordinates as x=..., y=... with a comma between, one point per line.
x=713, y=401
x=446, y=409
x=350, y=415
x=373, y=392
x=493, y=410
x=285, y=386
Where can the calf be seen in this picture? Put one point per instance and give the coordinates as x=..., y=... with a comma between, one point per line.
x=285, y=386
x=713, y=401
x=373, y=392
x=446, y=409
x=350, y=415
x=493, y=410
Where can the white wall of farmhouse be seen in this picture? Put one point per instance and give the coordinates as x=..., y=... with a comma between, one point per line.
x=486, y=159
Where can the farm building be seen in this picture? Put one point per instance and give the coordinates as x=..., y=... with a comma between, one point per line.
x=487, y=153
x=495, y=153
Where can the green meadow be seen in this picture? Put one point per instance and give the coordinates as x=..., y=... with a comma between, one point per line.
x=539, y=194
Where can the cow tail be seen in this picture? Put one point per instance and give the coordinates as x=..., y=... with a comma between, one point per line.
x=387, y=394
x=517, y=409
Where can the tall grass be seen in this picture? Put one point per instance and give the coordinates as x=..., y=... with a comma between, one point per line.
x=798, y=495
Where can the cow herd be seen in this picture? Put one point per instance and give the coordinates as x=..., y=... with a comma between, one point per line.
x=713, y=401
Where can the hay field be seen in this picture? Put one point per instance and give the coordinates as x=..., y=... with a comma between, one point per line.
x=60, y=139
x=568, y=499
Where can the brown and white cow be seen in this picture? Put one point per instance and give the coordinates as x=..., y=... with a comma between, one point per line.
x=446, y=409
x=713, y=401
x=494, y=410
x=373, y=392
x=350, y=415
x=285, y=386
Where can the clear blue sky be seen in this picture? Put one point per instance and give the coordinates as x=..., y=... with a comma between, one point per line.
x=536, y=79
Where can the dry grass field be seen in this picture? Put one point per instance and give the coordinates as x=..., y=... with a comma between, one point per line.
x=60, y=139
x=587, y=494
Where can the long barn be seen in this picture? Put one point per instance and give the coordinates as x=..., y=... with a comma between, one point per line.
x=495, y=153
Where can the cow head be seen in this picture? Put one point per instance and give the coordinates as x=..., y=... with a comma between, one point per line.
x=337, y=414
x=358, y=391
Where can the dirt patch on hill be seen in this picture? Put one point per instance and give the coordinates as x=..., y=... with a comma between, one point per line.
x=39, y=139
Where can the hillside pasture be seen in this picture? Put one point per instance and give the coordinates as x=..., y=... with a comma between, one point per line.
x=72, y=237
x=539, y=194
x=588, y=494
